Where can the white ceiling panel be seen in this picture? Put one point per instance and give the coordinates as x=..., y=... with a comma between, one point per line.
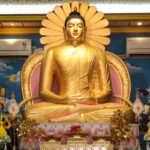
x=44, y=6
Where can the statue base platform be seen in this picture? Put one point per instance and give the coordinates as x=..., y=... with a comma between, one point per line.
x=77, y=136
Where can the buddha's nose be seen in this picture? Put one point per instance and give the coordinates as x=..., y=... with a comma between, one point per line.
x=75, y=28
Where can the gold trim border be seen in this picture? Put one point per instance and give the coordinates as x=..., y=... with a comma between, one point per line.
x=124, y=17
x=115, y=17
x=35, y=30
x=22, y=17
x=119, y=65
x=27, y=70
x=19, y=30
x=130, y=30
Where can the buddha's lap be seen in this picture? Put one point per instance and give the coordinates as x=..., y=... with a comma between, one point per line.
x=92, y=113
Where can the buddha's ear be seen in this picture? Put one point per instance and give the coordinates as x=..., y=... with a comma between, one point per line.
x=85, y=28
x=64, y=30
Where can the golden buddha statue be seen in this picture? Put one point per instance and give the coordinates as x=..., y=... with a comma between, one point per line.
x=75, y=63
x=82, y=72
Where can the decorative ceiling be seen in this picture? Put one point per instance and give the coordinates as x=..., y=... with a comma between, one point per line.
x=57, y=1
x=43, y=6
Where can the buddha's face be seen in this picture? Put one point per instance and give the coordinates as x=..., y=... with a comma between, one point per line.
x=75, y=30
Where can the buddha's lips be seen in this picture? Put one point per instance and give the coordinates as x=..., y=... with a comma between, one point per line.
x=75, y=34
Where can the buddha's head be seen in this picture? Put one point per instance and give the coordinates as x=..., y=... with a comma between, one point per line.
x=74, y=28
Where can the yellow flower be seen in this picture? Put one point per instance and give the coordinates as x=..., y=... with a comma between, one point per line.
x=12, y=78
x=5, y=122
x=4, y=118
x=148, y=132
x=1, y=102
x=2, y=91
x=2, y=131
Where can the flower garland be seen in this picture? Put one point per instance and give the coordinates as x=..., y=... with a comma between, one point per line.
x=31, y=135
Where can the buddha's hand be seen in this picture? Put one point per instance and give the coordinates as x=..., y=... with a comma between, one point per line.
x=85, y=100
x=103, y=95
x=68, y=100
x=71, y=100
x=102, y=98
x=63, y=100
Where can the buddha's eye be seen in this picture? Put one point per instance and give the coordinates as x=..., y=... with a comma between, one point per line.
x=80, y=25
x=70, y=25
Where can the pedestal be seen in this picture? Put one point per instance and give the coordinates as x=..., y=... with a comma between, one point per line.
x=77, y=143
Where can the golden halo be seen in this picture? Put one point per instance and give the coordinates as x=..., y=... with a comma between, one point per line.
x=97, y=31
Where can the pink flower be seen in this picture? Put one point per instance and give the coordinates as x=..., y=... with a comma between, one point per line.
x=89, y=140
x=13, y=108
x=49, y=132
x=59, y=131
x=35, y=141
x=135, y=131
x=25, y=142
x=64, y=139
x=75, y=129
x=134, y=143
x=88, y=131
x=138, y=106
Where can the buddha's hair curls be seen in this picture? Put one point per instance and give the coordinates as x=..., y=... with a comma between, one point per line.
x=74, y=14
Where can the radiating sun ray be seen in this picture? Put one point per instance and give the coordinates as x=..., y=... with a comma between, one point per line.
x=53, y=44
x=67, y=9
x=91, y=11
x=49, y=32
x=100, y=39
x=101, y=24
x=83, y=9
x=60, y=13
x=102, y=32
x=95, y=19
x=51, y=25
x=75, y=4
x=46, y=39
x=53, y=17
x=95, y=44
